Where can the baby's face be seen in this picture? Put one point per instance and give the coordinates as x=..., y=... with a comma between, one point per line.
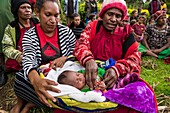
x=75, y=79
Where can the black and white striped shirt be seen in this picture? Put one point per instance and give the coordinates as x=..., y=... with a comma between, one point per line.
x=32, y=58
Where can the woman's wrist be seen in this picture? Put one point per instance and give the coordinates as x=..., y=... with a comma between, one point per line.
x=33, y=76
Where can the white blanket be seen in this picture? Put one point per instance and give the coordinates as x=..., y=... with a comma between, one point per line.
x=71, y=91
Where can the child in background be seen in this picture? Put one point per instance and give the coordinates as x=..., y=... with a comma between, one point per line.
x=76, y=25
x=134, y=16
x=92, y=17
x=138, y=31
x=125, y=21
x=151, y=21
x=139, y=28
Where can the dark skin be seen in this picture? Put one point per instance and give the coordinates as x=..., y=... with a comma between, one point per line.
x=111, y=19
x=49, y=18
x=161, y=23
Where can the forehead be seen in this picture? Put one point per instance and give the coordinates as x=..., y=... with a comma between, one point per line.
x=49, y=5
x=25, y=4
x=76, y=18
x=114, y=10
x=70, y=73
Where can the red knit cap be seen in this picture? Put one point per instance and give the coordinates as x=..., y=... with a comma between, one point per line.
x=158, y=14
x=108, y=4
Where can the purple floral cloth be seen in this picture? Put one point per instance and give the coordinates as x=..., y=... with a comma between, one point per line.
x=136, y=95
x=123, y=81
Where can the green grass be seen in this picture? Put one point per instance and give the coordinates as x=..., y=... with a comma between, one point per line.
x=156, y=75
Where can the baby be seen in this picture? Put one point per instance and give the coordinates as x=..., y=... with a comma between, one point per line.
x=77, y=79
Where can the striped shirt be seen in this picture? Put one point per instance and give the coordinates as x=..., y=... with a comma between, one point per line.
x=32, y=58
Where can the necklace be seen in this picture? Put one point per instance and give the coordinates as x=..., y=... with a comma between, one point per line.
x=24, y=26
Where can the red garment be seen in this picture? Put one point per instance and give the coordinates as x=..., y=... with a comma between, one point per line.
x=139, y=28
x=12, y=64
x=107, y=45
x=44, y=38
x=49, y=45
x=86, y=48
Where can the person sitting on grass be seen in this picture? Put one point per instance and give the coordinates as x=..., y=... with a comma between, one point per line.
x=157, y=37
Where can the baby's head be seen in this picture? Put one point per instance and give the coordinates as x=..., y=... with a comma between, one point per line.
x=72, y=78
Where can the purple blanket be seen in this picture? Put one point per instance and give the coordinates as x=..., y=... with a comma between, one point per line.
x=136, y=95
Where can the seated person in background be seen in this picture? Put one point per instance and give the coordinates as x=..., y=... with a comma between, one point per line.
x=134, y=15
x=76, y=25
x=92, y=17
x=14, y=32
x=157, y=36
x=138, y=31
x=151, y=21
x=132, y=22
x=139, y=28
x=125, y=21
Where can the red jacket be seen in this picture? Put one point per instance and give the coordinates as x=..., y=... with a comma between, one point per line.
x=121, y=46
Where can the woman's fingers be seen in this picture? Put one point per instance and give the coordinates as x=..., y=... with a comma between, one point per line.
x=43, y=99
x=51, y=88
x=110, y=78
x=93, y=78
x=91, y=73
x=88, y=79
x=42, y=91
x=110, y=84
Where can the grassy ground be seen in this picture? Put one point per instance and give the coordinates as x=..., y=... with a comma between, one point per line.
x=154, y=71
x=157, y=74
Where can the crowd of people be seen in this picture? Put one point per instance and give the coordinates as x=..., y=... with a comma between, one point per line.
x=34, y=35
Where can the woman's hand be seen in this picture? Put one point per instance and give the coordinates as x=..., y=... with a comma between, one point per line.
x=19, y=60
x=41, y=86
x=110, y=78
x=91, y=73
x=58, y=62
